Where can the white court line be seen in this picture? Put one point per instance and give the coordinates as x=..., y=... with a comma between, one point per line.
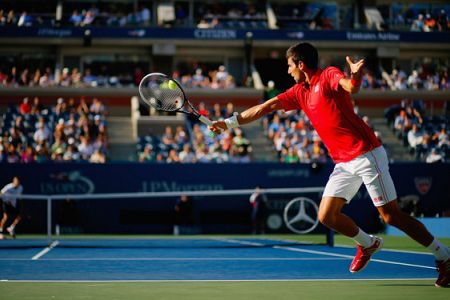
x=179, y=259
x=351, y=257
x=224, y=280
x=335, y=255
x=347, y=246
x=45, y=251
x=239, y=242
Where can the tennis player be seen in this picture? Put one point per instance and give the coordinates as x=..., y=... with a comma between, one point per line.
x=324, y=96
x=11, y=206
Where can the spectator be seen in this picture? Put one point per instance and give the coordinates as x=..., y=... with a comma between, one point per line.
x=258, y=202
x=418, y=24
x=144, y=15
x=442, y=21
x=28, y=156
x=415, y=137
x=25, y=20
x=271, y=91
x=75, y=19
x=88, y=19
x=11, y=18
x=147, y=155
x=42, y=133
x=187, y=155
x=173, y=156
x=434, y=156
x=241, y=147
x=85, y=148
x=429, y=23
x=184, y=214
x=97, y=157
x=25, y=107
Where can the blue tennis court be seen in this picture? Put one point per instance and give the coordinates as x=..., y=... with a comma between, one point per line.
x=198, y=259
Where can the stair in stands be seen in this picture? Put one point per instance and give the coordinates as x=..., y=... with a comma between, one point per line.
x=122, y=146
x=263, y=149
x=394, y=147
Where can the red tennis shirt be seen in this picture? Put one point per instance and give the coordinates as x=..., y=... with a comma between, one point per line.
x=330, y=111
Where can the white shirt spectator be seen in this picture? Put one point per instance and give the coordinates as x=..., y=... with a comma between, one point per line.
x=11, y=193
x=415, y=137
x=187, y=155
x=222, y=74
x=85, y=148
x=42, y=134
x=145, y=15
x=434, y=157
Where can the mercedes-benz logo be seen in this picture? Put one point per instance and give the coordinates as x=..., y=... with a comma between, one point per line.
x=301, y=215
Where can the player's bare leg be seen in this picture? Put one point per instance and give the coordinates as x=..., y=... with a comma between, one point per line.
x=2, y=223
x=330, y=214
x=393, y=216
x=11, y=229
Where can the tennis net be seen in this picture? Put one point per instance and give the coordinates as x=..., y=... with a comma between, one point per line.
x=129, y=219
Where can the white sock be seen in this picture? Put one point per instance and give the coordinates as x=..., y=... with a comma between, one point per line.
x=1, y=229
x=363, y=238
x=439, y=250
x=12, y=227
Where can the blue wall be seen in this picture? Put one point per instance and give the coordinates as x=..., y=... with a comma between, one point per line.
x=428, y=182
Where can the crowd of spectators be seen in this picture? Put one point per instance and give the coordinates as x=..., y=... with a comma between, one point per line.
x=426, y=137
x=420, y=19
x=294, y=138
x=231, y=15
x=218, y=78
x=193, y=143
x=47, y=77
x=70, y=131
x=431, y=79
x=81, y=15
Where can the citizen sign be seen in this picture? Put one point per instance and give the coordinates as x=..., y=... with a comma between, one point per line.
x=215, y=34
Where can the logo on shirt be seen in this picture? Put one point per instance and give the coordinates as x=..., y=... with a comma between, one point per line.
x=316, y=88
x=377, y=200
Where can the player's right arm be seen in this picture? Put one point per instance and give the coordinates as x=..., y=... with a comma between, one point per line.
x=247, y=116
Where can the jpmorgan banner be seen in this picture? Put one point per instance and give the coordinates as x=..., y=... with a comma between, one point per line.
x=423, y=190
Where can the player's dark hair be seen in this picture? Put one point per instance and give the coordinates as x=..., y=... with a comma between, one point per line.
x=304, y=52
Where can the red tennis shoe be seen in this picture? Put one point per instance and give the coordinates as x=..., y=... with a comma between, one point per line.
x=363, y=255
x=443, y=267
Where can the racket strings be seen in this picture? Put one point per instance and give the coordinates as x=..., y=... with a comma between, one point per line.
x=159, y=93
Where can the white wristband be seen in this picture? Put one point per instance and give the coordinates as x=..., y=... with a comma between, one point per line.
x=232, y=122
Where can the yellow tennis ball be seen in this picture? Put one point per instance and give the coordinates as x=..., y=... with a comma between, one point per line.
x=172, y=85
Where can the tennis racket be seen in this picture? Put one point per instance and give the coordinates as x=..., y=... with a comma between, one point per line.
x=166, y=94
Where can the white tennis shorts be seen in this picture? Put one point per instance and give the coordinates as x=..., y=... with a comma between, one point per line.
x=371, y=168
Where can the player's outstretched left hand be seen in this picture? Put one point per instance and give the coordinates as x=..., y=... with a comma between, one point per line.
x=355, y=68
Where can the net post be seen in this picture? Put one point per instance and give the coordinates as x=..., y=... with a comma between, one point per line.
x=49, y=219
x=330, y=237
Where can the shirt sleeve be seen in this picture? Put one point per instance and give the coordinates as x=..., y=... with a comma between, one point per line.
x=334, y=75
x=5, y=188
x=289, y=100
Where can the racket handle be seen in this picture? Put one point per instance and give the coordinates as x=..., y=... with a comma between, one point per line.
x=208, y=122
x=205, y=120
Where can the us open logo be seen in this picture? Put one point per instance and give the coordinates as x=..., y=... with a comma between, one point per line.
x=423, y=184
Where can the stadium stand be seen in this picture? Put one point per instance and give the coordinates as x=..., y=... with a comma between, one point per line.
x=208, y=47
x=67, y=131
x=426, y=137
